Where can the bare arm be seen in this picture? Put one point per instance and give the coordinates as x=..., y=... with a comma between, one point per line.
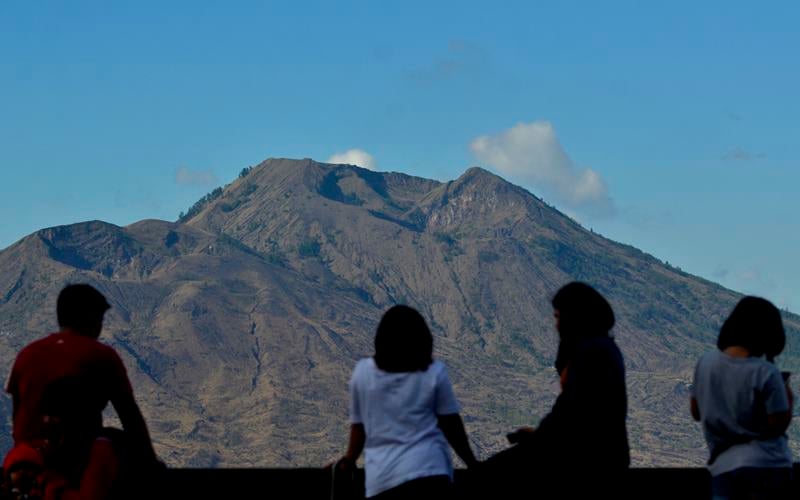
x=695, y=409
x=358, y=437
x=453, y=429
x=133, y=423
x=777, y=423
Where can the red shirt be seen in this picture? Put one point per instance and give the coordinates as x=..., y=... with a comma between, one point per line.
x=57, y=356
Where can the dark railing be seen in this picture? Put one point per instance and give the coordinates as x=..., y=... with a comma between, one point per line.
x=317, y=484
x=311, y=484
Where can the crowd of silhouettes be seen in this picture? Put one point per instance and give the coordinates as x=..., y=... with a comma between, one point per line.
x=404, y=414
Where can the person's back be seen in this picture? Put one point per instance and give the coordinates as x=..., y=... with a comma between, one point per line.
x=580, y=448
x=589, y=417
x=60, y=385
x=734, y=396
x=57, y=357
x=745, y=406
x=403, y=414
x=399, y=413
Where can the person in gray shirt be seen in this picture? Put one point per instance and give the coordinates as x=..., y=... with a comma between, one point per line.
x=744, y=405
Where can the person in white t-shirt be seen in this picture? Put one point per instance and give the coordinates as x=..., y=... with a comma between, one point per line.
x=745, y=406
x=403, y=414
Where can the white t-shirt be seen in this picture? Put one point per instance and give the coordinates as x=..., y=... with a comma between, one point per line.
x=734, y=396
x=398, y=411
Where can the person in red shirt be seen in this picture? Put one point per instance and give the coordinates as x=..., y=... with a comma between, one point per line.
x=60, y=385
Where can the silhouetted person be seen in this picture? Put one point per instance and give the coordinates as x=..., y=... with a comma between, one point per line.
x=745, y=406
x=60, y=385
x=403, y=413
x=581, y=446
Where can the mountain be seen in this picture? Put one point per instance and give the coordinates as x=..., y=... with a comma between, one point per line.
x=240, y=322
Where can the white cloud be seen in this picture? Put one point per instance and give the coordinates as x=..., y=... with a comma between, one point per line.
x=188, y=177
x=357, y=157
x=530, y=153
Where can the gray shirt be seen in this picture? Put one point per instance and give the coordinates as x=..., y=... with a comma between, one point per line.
x=734, y=396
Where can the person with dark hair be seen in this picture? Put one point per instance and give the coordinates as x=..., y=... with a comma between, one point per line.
x=745, y=406
x=403, y=413
x=756, y=325
x=581, y=445
x=60, y=385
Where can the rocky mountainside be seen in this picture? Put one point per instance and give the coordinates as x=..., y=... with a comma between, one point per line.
x=240, y=323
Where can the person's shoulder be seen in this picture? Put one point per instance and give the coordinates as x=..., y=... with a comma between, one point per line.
x=99, y=348
x=105, y=354
x=37, y=344
x=437, y=366
x=437, y=370
x=102, y=346
x=600, y=347
x=765, y=368
x=710, y=357
x=364, y=366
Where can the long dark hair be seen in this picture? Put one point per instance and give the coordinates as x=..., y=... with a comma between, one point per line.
x=583, y=313
x=403, y=341
x=756, y=325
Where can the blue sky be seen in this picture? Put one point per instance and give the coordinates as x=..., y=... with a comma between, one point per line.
x=672, y=127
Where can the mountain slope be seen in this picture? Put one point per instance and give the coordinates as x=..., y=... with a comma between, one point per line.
x=241, y=322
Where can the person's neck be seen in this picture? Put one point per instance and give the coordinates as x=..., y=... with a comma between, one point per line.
x=73, y=331
x=737, y=351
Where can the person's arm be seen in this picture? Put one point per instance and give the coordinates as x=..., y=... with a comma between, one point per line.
x=694, y=408
x=778, y=399
x=777, y=423
x=358, y=434
x=453, y=429
x=446, y=409
x=593, y=386
x=574, y=392
x=789, y=394
x=128, y=411
x=133, y=423
x=358, y=437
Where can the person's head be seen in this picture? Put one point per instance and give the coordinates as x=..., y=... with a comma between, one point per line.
x=756, y=325
x=581, y=311
x=81, y=308
x=403, y=341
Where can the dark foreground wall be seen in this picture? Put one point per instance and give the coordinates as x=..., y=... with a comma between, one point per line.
x=275, y=484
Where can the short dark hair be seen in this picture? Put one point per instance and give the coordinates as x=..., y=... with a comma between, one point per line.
x=756, y=325
x=80, y=306
x=403, y=341
x=583, y=312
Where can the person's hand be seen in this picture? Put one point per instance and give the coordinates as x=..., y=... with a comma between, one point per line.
x=343, y=464
x=474, y=464
x=346, y=464
x=520, y=435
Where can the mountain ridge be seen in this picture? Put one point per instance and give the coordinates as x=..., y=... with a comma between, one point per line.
x=240, y=322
